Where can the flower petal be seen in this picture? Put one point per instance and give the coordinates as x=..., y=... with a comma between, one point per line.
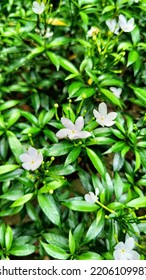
x=120, y=245
x=129, y=243
x=62, y=133
x=32, y=152
x=102, y=108
x=26, y=165
x=79, y=123
x=68, y=123
x=24, y=157
x=133, y=255
x=90, y=197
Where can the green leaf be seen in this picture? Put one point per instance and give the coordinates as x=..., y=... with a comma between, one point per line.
x=8, y=238
x=118, y=186
x=137, y=161
x=58, y=41
x=15, y=115
x=52, y=186
x=2, y=234
x=96, y=161
x=80, y=205
x=68, y=65
x=7, y=168
x=115, y=100
x=22, y=250
x=58, y=149
x=139, y=202
x=117, y=147
x=30, y=117
x=89, y=256
x=45, y=117
x=61, y=170
x=56, y=239
x=96, y=226
x=55, y=251
x=73, y=155
x=84, y=93
x=15, y=145
x=54, y=59
x=22, y=200
x=141, y=94
x=49, y=207
x=8, y=104
x=132, y=57
x=12, y=194
x=74, y=87
x=72, y=244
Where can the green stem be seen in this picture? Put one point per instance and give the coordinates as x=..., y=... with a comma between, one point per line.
x=106, y=208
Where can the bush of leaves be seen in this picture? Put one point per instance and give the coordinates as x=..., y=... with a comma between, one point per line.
x=72, y=129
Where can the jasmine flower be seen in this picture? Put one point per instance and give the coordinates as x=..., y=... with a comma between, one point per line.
x=126, y=26
x=71, y=130
x=102, y=117
x=32, y=159
x=113, y=25
x=38, y=8
x=92, y=32
x=91, y=197
x=124, y=251
x=116, y=91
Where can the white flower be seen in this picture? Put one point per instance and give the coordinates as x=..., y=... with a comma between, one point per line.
x=93, y=31
x=32, y=159
x=71, y=130
x=48, y=33
x=38, y=8
x=126, y=26
x=116, y=91
x=113, y=25
x=124, y=251
x=102, y=117
x=91, y=197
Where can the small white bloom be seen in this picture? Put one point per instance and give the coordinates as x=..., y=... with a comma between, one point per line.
x=124, y=251
x=102, y=117
x=71, y=130
x=38, y=8
x=126, y=26
x=91, y=197
x=32, y=159
x=116, y=91
x=113, y=25
x=92, y=31
x=48, y=33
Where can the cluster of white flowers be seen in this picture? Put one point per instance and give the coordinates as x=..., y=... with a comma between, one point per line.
x=124, y=251
x=74, y=131
x=123, y=23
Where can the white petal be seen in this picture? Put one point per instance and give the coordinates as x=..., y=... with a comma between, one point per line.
x=67, y=123
x=116, y=91
x=39, y=158
x=129, y=243
x=32, y=152
x=118, y=256
x=62, y=133
x=79, y=123
x=96, y=114
x=26, y=165
x=122, y=21
x=120, y=245
x=102, y=108
x=133, y=255
x=111, y=116
x=96, y=191
x=90, y=197
x=111, y=23
x=25, y=157
x=74, y=135
x=38, y=8
x=84, y=134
